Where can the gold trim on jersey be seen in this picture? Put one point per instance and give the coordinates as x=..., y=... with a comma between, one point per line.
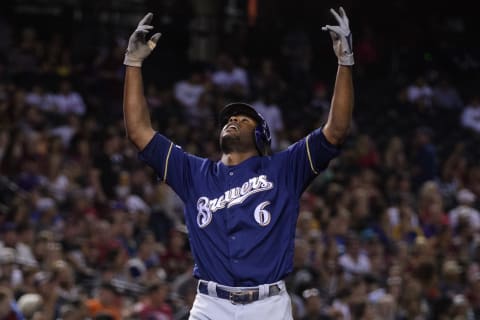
x=310, y=157
x=166, y=162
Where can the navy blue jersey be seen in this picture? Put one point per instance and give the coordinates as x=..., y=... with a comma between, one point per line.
x=241, y=219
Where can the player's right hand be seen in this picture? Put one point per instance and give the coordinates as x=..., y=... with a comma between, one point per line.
x=138, y=46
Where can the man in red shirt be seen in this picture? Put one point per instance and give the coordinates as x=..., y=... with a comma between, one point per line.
x=155, y=306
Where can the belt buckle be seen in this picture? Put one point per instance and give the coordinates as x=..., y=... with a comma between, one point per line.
x=240, y=294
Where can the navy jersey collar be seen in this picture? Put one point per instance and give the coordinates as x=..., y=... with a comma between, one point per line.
x=245, y=163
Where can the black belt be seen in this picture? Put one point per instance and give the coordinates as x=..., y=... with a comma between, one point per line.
x=239, y=296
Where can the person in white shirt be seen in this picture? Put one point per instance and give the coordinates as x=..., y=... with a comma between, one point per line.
x=37, y=97
x=354, y=261
x=420, y=93
x=470, y=118
x=67, y=100
x=188, y=92
x=465, y=210
x=230, y=77
x=273, y=115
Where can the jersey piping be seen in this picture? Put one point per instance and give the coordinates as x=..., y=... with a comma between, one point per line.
x=309, y=156
x=166, y=163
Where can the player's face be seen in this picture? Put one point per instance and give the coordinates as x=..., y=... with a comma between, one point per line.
x=237, y=134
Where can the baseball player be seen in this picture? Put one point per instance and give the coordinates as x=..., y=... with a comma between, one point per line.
x=240, y=211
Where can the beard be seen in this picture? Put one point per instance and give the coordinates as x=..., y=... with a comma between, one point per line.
x=229, y=143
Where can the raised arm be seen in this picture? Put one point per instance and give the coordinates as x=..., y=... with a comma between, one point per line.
x=339, y=119
x=135, y=110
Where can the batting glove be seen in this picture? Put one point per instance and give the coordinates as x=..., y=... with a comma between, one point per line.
x=138, y=47
x=342, y=38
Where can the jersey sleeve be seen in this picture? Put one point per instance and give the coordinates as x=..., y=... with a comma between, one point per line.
x=170, y=162
x=309, y=157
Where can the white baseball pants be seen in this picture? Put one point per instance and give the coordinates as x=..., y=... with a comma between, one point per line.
x=206, y=307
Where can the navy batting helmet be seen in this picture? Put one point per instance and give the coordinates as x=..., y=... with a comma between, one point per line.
x=262, y=132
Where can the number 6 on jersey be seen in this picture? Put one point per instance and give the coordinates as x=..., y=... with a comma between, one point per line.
x=261, y=215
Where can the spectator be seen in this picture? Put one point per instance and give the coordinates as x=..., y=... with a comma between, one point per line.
x=273, y=115
x=471, y=115
x=366, y=154
x=31, y=306
x=394, y=157
x=420, y=93
x=465, y=211
x=9, y=309
x=446, y=97
x=230, y=78
x=188, y=92
x=155, y=306
x=314, y=309
x=425, y=157
x=108, y=163
x=67, y=100
x=38, y=98
x=354, y=261
x=108, y=301
x=175, y=259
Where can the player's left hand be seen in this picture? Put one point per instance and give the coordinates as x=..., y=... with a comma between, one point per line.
x=138, y=46
x=342, y=38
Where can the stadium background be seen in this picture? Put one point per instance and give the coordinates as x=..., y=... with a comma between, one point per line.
x=83, y=224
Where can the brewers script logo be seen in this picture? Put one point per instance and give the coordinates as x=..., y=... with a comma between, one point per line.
x=206, y=207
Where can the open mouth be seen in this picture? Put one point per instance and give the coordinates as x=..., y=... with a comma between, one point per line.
x=232, y=126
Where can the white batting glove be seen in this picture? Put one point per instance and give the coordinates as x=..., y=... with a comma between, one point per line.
x=342, y=38
x=138, y=47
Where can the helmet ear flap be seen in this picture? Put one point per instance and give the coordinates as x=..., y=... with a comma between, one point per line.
x=263, y=138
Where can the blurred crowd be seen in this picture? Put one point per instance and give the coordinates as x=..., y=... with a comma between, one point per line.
x=391, y=230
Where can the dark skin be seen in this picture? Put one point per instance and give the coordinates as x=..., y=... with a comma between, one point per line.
x=140, y=130
x=237, y=141
x=137, y=118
